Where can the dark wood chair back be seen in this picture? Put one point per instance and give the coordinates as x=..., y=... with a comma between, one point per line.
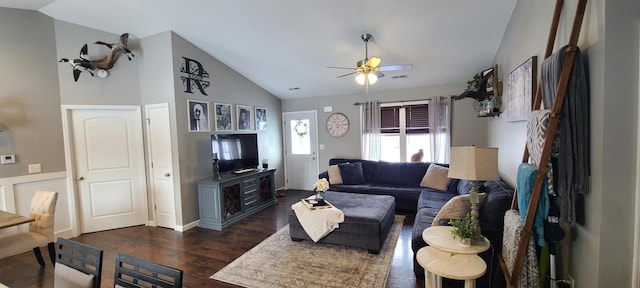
x=132, y=272
x=80, y=257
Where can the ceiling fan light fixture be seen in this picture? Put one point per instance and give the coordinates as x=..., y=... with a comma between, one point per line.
x=372, y=77
x=361, y=78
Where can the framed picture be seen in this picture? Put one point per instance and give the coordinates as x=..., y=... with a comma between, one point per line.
x=261, y=119
x=244, y=117
x=521, y=87
x=223, y=117
x=198, y=116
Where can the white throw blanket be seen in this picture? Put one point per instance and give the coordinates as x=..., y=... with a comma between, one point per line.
x=318, y=222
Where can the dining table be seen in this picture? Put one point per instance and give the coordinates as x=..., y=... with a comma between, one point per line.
x=8, y=219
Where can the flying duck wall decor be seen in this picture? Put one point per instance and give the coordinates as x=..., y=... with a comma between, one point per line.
x=103, y=64
x=80, y=64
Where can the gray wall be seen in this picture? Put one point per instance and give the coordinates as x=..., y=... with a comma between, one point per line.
x=467, y=128
x=29, y=94
x=601, y=253
x=227, y=86
x=33, y=85
x=121, y=87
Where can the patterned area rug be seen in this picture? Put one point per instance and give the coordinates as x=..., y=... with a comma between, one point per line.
x=279, y=262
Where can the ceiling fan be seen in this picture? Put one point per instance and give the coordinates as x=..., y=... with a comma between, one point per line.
x=368, y=70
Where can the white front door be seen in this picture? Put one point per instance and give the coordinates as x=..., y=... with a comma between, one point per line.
x=160, y=154
x=301, y=161
x=109, y=166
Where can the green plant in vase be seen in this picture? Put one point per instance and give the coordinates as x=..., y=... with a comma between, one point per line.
x=464, y=229
x=472, y=85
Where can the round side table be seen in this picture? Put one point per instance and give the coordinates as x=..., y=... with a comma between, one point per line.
x=440, y=237
x=438, y=264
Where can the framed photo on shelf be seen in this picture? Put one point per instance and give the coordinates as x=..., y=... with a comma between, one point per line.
x=244, y=117
x=521, y=88
x=223, y=117
x=261, y=119
x=198, y=112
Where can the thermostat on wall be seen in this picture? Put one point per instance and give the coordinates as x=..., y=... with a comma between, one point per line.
x=7, y=159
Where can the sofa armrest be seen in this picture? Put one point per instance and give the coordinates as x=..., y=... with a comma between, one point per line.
x=324, y=174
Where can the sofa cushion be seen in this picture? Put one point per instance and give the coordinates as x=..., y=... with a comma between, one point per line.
x=351, y=173
x=370, y=168
x=334, y=174
x=404, y=174
x=406, y=197
x=436, y=177
x=465, y=186
x=497, y=202
x=360, y=189
x=457, y=207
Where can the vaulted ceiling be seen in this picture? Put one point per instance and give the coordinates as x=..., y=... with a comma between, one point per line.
x=285, y=44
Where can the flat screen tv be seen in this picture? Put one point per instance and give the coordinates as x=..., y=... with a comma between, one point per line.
x=235, y=151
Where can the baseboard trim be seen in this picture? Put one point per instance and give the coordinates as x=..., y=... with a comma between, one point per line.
x=188, y=226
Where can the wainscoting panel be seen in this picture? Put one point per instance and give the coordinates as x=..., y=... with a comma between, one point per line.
x=16, y=194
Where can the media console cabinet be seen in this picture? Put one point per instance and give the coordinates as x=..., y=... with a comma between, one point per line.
x=235, y=197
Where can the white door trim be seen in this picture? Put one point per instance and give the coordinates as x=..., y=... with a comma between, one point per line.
x=74, y=213
x=284, y=142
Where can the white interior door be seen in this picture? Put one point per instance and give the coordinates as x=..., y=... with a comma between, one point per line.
x=301, y=161
x=109, y=167
x=160, y=154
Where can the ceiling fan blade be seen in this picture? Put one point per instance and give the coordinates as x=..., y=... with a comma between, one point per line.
x=349, y=68
x=395, y=67
x=373, y=62
x=378, y=73
x=347, y=74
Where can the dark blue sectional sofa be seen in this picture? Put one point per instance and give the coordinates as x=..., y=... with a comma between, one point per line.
x=402, y=181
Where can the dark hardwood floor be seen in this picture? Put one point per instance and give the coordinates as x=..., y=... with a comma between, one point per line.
x=198, y=252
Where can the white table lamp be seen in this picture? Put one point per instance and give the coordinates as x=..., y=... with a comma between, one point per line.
x=475, y=164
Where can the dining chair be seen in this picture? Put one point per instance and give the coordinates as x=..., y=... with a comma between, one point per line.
x=131, y=272
x=77, y=265
x=43, y=208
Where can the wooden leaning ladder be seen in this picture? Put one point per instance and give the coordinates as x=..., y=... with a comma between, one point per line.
x=567, y=66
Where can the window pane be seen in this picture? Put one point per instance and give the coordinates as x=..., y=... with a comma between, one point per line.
x=415, y=142
x=390, y=119
x=417, y=118
x=300, y=141
x=390, y=146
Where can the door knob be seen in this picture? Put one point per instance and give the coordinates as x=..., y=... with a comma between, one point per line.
x=80, y=178
x=167, y=174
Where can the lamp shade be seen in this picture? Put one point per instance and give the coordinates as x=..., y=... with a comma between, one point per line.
x=474, y=163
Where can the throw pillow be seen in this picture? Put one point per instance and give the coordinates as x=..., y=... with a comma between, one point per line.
x=457, y=207
x=351, y=173
x=436, y=177
x=334, y=174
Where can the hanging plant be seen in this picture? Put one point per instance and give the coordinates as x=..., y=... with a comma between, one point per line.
x=472, y=85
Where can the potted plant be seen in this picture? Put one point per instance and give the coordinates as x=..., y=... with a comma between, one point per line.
x=464, y=230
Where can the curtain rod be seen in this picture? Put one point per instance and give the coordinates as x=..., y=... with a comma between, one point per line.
x=403, y=101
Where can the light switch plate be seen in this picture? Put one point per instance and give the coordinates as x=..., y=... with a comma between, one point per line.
x=35, y=168
x=328, y=108
x=7, y=159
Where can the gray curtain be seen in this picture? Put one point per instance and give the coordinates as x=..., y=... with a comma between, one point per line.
x=371, y=130
x=440, y=129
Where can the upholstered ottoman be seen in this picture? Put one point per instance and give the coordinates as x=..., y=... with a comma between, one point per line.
x=367, y=221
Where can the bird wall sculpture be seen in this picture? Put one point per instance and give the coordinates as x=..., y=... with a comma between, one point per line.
x=80, y=64
x=105, y=63
x=117, y=49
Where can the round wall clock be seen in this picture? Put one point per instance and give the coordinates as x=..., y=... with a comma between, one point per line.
x=337, y=124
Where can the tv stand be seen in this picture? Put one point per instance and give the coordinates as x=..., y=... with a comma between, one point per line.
x=234, y=197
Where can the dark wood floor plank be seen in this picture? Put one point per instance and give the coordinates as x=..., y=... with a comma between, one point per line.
x=198, y=252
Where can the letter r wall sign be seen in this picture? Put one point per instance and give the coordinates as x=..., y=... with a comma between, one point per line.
x=194, y=76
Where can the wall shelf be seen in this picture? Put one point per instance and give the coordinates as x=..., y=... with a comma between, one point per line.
x=488, y=90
